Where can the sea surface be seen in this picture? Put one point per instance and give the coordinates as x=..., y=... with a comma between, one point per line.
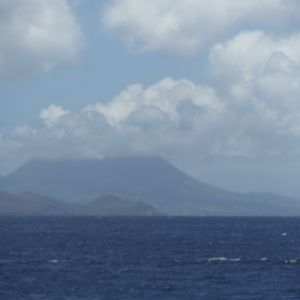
x=159, y=258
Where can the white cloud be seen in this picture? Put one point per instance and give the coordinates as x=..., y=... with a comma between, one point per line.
x=175, y=119
x=187, y=26
x=261, y=75
x=168, y=117
x=36, y=35
x=251, y=109
x=250, y=53
x=51, y=115
x=166, y=96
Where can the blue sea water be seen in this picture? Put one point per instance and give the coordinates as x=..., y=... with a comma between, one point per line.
x=73, y=258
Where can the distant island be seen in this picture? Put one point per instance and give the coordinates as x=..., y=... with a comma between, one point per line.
x=138, y=185
x=28, y=204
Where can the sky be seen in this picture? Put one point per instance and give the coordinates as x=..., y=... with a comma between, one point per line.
x=211, y=86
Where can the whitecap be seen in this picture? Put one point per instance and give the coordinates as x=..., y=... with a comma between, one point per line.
x=217, y=259
x=264, y=259
x=235, y=259
x=291, y=261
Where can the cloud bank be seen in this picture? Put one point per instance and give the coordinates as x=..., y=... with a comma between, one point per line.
x=36, y=36
x=175, y=119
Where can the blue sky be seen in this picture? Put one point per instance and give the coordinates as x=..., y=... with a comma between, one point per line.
x=212, y=86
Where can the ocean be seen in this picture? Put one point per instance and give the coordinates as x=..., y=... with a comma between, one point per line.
x=151, y=258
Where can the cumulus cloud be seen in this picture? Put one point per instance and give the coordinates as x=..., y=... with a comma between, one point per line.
x=260, y=74
x=252, y=52
x=173, y=118
x=166, y=96
x=51, y=115
x=36, y=35
x=170, y=116
x=187, y=26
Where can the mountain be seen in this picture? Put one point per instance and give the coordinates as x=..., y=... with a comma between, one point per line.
x=36, y=205
x=151, y=179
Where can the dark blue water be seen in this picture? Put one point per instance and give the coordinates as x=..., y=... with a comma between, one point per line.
x=149, y=258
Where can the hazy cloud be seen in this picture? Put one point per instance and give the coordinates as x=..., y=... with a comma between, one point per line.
x=51, y=115
x=187, y=26
x=168, y=117
x=260, y=74
x=36, y=35
x=175, y=119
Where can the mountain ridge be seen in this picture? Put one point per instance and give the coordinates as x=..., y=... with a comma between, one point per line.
x=29, y=204
x=147, y=178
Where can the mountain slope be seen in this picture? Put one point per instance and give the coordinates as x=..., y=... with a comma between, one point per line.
x=151, y=179
x=114, y=206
